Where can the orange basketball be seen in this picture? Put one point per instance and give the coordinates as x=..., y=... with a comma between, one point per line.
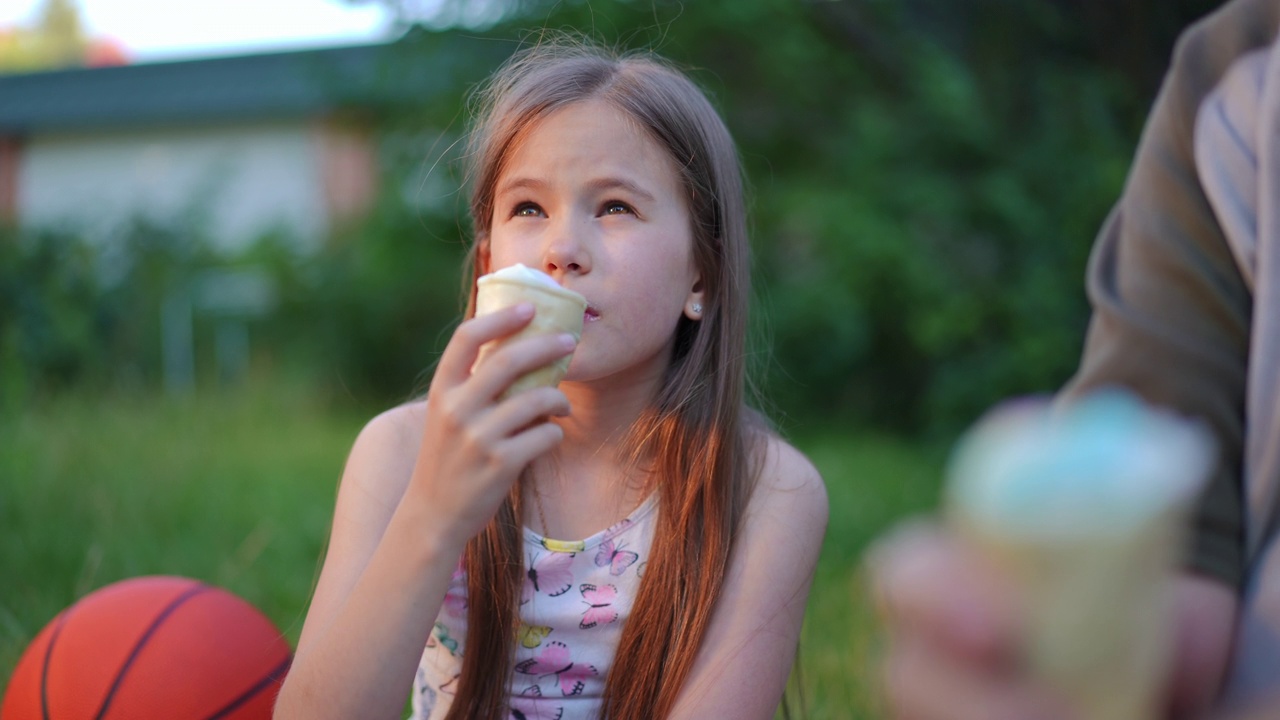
x=151, y=647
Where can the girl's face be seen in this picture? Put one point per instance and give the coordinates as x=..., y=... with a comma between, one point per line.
x=592, y=200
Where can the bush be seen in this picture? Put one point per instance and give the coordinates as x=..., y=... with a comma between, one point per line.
x=50, y=324
x=85, y=314
x=382, y=299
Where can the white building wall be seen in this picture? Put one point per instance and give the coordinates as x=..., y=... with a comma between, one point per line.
x=239, y=181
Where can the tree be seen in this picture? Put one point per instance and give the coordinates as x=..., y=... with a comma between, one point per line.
x=927, y=176
x=56, y=40
x=61, y=33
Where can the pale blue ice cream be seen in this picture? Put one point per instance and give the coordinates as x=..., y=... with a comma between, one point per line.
x=1105, y=462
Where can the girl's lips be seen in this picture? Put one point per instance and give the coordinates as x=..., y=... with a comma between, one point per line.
x=591, y=314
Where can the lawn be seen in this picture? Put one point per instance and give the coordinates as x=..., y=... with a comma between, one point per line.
x=235, y=488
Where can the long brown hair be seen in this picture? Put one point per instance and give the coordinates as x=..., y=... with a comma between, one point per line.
x=697, y=436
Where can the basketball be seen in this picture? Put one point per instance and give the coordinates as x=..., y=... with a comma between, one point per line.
x=151, y=647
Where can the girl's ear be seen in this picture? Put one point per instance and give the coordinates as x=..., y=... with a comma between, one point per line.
x=693, y=303
x=482, y=254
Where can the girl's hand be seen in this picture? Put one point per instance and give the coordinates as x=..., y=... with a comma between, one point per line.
x=473, y=446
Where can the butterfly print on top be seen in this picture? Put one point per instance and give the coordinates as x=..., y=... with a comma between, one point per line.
x=554, y=660
x=548, y=573
x=575, y=597
x=616, y=559
x=599, y=600
x=530, y=705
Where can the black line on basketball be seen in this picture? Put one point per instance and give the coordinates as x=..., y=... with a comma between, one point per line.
x=137, y=648
x=44, y=671
x=258, y=687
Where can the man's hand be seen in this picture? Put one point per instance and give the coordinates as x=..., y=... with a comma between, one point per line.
x=954, y=625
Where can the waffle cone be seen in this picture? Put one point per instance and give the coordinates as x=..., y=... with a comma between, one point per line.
x=556, y=311
x=1096, y=610
x=1084, y=507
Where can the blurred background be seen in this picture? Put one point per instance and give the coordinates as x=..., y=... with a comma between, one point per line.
x=231, y=232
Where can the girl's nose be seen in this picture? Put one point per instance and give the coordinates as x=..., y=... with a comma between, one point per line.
x=566, y=254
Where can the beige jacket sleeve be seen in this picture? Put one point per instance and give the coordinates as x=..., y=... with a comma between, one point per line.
x=1171, y=311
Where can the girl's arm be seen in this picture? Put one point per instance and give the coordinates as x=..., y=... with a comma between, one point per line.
x=420, y=481
x=384, y=578
x=742, y=668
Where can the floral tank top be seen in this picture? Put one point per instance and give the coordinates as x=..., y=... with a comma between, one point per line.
x=575, y=599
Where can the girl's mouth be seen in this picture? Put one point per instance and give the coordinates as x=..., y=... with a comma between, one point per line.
x=591, y=314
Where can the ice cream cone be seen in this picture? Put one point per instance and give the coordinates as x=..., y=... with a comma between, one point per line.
x=556, y=310
x=1083, y=507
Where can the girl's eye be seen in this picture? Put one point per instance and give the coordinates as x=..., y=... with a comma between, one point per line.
x=617, y=207
x=526, y=209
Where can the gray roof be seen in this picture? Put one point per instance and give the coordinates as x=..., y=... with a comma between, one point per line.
x=286, y=84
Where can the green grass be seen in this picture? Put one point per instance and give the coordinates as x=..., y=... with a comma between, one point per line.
x=871, y=483
x=237, y=488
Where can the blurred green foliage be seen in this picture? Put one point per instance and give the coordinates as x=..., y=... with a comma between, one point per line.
x=926, y=180
x=77, y=314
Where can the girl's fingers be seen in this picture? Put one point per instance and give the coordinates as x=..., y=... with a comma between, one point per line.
x=522, y=411
x=460, y=354
x=515, y=359
x=521, y=449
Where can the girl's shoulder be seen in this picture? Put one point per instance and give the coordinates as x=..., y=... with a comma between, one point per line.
x=400, y=424
x=397, y=430
x=386, y=449
x=788, y=486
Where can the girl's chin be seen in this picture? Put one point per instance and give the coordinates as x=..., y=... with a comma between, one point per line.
x=573, y=378
x=579, y=373
x=573, y=374
x=580, y=369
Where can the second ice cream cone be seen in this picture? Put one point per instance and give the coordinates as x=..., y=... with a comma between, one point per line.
x=1083, y=508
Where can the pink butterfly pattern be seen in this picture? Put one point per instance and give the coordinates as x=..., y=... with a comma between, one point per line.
x=455, y=601
x=575, y=596
x=554, y=660
x=455, y=604
x=616, y=529
x=548, y=573
x=616, y=559
x=599, y=602
x=530, y=705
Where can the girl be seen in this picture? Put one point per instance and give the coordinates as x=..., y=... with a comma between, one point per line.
x=615, y=176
